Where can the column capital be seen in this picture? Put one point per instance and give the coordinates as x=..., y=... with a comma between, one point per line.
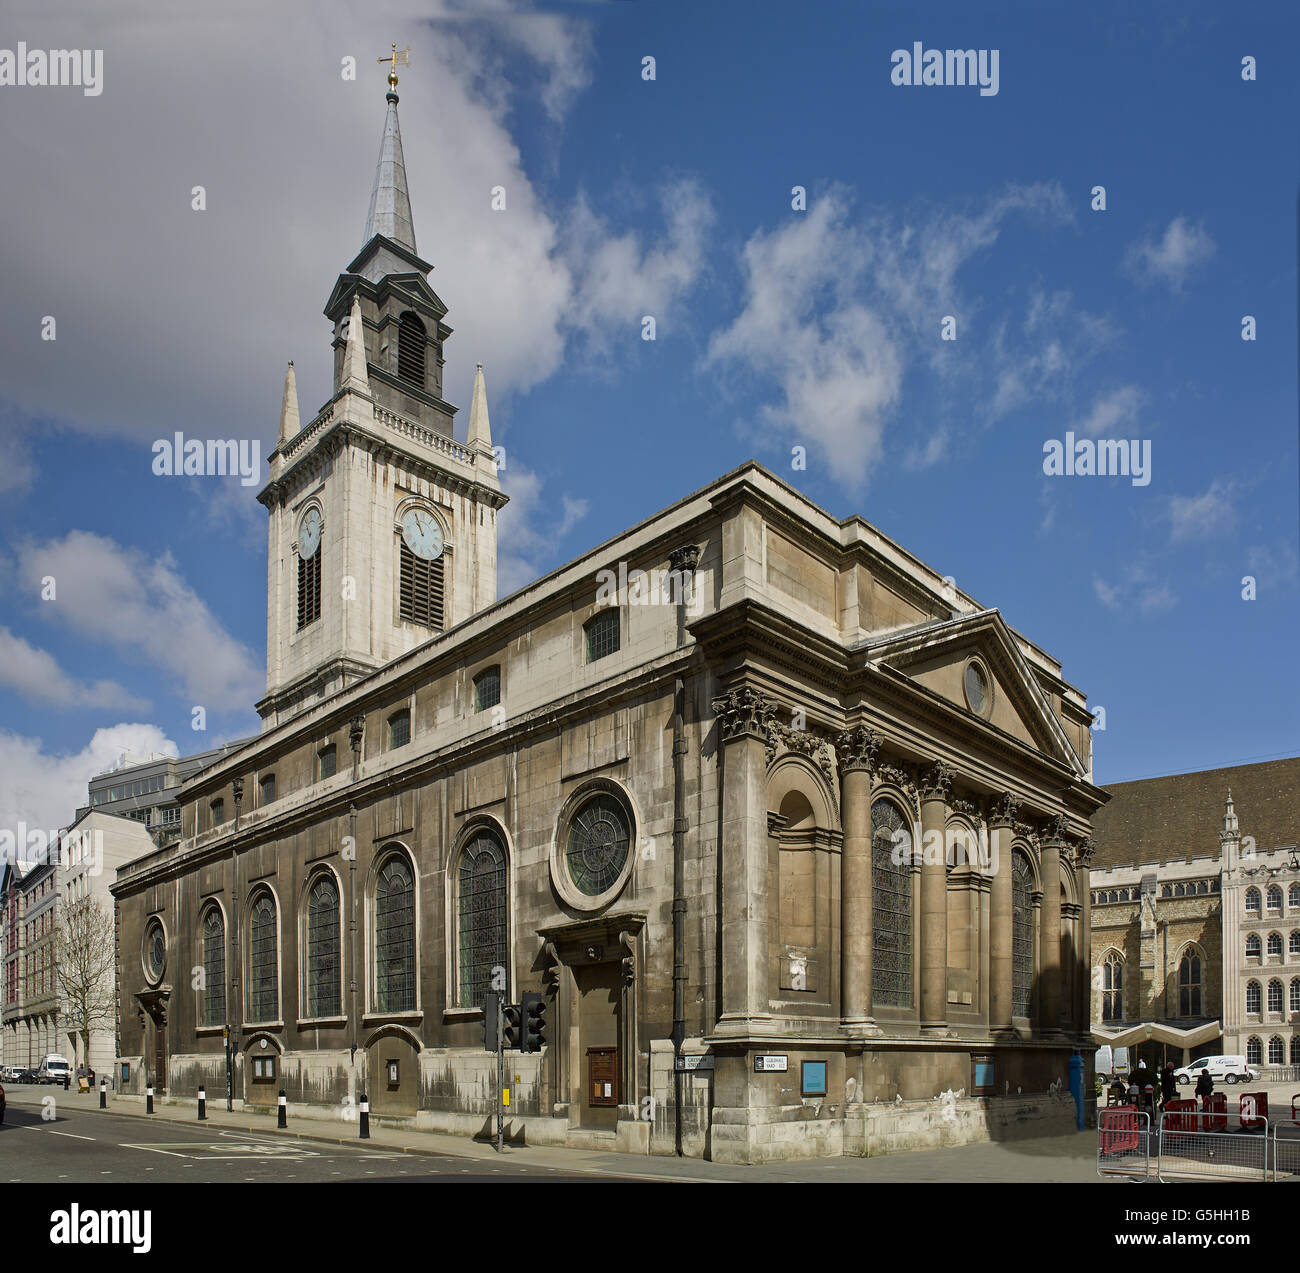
x=1004, y=810
x=858, y=748
x=745, y=713
x=1086, y=851
x=1054, y=833
x=936, y=781
x=685, y=559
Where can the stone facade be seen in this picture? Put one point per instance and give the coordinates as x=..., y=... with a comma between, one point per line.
x=808, y=819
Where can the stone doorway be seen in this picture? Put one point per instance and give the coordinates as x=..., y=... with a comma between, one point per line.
x=599, y=1032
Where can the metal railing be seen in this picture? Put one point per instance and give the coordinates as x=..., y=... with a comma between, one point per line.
x=1187, y=1151
x=1124, y=1142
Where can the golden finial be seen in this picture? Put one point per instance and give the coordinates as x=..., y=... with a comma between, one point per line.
x=398, y=55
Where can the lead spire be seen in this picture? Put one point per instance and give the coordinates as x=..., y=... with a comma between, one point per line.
x=390, y=201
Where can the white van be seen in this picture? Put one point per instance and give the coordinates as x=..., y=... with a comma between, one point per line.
x=1222, y=1069
x=54, y=1069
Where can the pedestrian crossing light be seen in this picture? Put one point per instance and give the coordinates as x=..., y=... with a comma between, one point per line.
x=534, y=1007
x=514, y=1021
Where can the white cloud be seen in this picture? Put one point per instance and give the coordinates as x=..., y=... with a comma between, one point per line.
x=1110, y=411
x=37, y=677
x=834, y=310
x=1138, y=591
x=44, y=789
x=528, y=531
x=1202, y=516
x=1274, y=564
x=144, y=610
x=1182, y=248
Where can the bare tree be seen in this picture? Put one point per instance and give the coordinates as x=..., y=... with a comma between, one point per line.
x=84, y=967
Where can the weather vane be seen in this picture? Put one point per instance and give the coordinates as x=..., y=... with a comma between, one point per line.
x=398, y=55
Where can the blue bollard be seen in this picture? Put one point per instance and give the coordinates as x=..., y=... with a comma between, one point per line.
x=1076, y=1087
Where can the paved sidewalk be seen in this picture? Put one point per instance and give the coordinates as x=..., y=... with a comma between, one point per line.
x=1060, y=1159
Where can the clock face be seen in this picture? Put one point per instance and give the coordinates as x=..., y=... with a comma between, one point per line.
x=423, y=534
x=309, y=533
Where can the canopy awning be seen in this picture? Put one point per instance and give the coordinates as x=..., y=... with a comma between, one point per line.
x=1158, y=1032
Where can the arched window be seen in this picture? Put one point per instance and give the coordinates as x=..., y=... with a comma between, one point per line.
x=263, y=969
x=1022, y=935
x=1254, y=997
x=1295, y=994
x=1254, y=1051
x=1274, y=897
x=1276, y=1052
x=891, y=906
x=1112, y=988
x=328, y=759
x=421, y=587
x=395, y=937
x=1275, y=995
x=1253, y=946
x=213, y=1010
x=1275, y=945
x=1252, y=901
x=324, y=990
x=602, y=635
x=482, y=915
x=1189, y=985
x=1293, y=897
x=410, y=349
x=1295, y=1049
x=1294, y=944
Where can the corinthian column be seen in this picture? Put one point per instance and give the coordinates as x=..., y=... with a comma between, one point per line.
x=1050, y=973
x=745, y=718
x=857, y=750
x=936, y=783
x=1001, y=919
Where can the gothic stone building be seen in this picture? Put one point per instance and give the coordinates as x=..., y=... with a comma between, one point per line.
x=1196, y=935
x=791, y=835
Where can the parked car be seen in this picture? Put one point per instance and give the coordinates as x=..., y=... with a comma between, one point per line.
x=27, y=1076
x=54, y=1069
x=1222, y=1069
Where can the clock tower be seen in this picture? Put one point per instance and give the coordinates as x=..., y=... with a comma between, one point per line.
x=382, y=527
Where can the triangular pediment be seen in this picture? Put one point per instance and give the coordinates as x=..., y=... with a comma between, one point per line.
x=414, y=287
x=937, y=656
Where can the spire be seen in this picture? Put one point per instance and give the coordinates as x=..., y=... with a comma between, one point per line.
x=1230, y=827
x=354, y=353
x=480, y=431
x=289, y=420
x=390, y=203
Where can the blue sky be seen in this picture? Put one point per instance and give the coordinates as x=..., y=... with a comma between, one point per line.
x=775, y=328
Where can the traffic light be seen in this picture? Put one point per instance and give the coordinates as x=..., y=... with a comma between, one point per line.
x=514, y=1026
x=490, y=1021
x=534, y=1009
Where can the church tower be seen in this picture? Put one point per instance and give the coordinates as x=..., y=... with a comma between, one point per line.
x=381, y=526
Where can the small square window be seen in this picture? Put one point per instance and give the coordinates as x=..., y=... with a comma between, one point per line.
x=814, y=1078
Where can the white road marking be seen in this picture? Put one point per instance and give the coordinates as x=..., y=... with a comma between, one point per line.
x=51, y=1132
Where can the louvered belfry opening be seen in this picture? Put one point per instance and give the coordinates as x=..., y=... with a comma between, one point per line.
x=421, y=589
x=410, y=349
x=308, y=589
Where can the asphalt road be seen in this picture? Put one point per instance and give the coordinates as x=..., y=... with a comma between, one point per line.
x=96, y=1146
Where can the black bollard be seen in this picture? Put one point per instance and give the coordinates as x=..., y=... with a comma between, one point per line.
x=103, y=1095
x=203, y=1104
x=365, y=1118
x=67, y=1081
x=148, y=1099
x=281, y=1119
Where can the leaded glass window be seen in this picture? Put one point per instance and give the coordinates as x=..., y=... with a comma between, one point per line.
x=1295, y=1049
x=1275, y=944
x=323, y=991
x=602, y=635
x=1022, y=941
x=395, y=938
x=1276, y=1056
x=1252, y=899
x=399, y=730
x=1275, y=995
x=891, y=906
x=1254, y=1051
x=1254, y=997
x=598, y=844
x=482, y=916
x=1189, y=986
x=1295, y=996
x=263, y=973
x=1274, y=898
x=487, y=688
x=214, y=968
x=1253, y=946
x=329, y=761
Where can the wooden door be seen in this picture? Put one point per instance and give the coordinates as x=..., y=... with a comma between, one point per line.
x=602, y=1077
x=159, y=1058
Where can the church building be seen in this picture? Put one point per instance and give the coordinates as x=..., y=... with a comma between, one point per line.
x=791, y=835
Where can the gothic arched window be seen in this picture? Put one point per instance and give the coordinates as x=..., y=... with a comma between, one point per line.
x=324, y=991
x=410, y=349
x=1275, y=995
x=263, y=969
x=395, y=937
x=1293, y=897
x=1189, y=985
x=891, y=906
x=1112, y=988
x=1274, y=898
x=1295, y=1049
x=1295, y=995
x=1254, y=1051
x=1022, y=934
x=213, y=929
x=482, y=915
x=1252, y=901
x=1276, y=1053
x=1253, y=946
x=1293, y=946
x=1275, y=945
x=1254, y=998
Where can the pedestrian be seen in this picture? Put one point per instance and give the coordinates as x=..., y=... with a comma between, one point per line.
x=1168, y=1084
x=1204, y=1085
